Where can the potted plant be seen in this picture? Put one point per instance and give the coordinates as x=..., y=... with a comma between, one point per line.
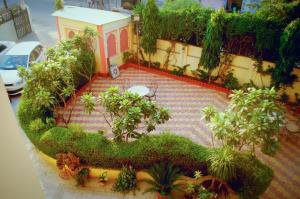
x=82, y=176
x=103, y=178
x=164, y=178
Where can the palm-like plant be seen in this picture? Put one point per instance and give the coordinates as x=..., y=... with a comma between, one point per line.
x=164, y=178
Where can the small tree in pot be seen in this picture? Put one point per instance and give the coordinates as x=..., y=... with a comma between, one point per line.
x=164, y=178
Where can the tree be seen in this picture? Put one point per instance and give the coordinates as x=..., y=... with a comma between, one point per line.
x=69, y=65
x=213, y=41
x=252, y=118
x=150, y=15
x=127, y=112
x=59, y=4
x=289, y=52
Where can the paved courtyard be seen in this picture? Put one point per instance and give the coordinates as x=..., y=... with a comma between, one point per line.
x=185, y=102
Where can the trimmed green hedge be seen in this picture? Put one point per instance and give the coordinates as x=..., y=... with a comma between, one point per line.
x=96, y=150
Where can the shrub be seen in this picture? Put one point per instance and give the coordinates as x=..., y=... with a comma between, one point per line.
x=59, y=4
x=213, y=41
x=164, y=177
x=252, y=118
x=222, y=163
x=127, y=111
x=76, y=130
x=231, y=82
x=37, y=125
x=96, y=150
x=126, y=180
x=82, y=176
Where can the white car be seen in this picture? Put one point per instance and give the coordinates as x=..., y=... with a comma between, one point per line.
x=20, y=55
x=5, y=46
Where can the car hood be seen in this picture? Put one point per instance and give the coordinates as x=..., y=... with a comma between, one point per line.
x=10, y=76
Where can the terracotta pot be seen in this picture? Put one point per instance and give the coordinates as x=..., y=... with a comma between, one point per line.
x=159, y=196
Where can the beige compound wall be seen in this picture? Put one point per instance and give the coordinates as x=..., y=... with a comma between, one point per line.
x=243, y=67
x=18, y=176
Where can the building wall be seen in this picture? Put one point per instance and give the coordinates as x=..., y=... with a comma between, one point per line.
x=67, y=25
x=115, y=28
x=8, y=32
x=243, y=67
x=19, y=177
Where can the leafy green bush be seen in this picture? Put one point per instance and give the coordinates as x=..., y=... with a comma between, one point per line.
x=76, y=130
x=58, y=4
x=126, y=180
x=82, y=176
x=164, y=177
x=289, y=54
x=184, y=25
x=96, y=150
x=231, y=82
x=179, y=71
x=37, y=125
x=223, y=163
x=213, y=41
x=253, y=185
x=179, y=4
x=127, y=111
x=252, y=118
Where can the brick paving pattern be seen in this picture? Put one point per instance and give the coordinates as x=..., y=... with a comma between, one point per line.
x=185, y=102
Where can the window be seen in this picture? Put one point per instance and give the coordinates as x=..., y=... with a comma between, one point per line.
x=35, y=53
x=124, y=40
x=111, y=45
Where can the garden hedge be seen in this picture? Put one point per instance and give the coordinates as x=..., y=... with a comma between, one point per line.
x=96, y=150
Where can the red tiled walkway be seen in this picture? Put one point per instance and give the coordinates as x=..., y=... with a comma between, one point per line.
x=185, y=102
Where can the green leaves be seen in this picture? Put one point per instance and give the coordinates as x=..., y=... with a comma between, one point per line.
x=164, y=177
x=213, y=41
x=128, y=112
x=89, y=102
x=253, y=117
x=223, y=163
x=150, y=27
x=126, y=180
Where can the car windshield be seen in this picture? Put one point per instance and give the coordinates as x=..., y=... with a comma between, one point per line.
x=12, y=62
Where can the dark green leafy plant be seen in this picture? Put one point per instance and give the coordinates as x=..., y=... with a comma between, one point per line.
x=127, y=111
x=82, y=176
x=58, y=4
x=164, y=179
x=170, y=5
x=231, y=82
x=289, y=54
x=252, y=118
x=98, y=151
x=150, y=28
x=126, y=180
x=201, y=74
x=37, y=125
x=223, y=163
x=76, y=130
x=179, y=71
x=213, y=41
x=127, y=56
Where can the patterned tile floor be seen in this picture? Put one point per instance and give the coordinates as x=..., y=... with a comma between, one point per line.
x=185, y=102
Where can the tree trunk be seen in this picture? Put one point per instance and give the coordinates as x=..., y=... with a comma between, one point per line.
x=149, y=63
